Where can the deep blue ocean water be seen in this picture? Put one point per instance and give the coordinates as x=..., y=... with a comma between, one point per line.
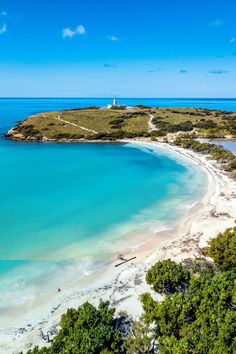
x=63, y=202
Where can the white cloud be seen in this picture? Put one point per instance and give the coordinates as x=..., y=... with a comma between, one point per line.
x=69, y=33
x=3, y=13
x=113, y=38
x=232, y=40
x=3, y=29
x=81, y=29
x=216, y=23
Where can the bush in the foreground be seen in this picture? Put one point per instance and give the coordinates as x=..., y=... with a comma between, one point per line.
x=143, y=339
x=167, y=277
x=86, y=330
x=223, y=249
x=201, y=320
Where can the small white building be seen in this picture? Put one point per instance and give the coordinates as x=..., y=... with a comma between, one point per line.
x=114, y=104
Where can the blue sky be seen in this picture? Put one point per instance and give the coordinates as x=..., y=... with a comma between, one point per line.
x=100, y=48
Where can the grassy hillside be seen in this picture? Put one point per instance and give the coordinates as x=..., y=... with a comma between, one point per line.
x=112, y=124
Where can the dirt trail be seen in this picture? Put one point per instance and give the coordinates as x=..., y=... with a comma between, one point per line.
x=75, y=125
x=151, y=126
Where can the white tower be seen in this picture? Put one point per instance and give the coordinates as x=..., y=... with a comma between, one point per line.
x=114, y=102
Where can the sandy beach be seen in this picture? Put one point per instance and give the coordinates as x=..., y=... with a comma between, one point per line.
x=123, y=285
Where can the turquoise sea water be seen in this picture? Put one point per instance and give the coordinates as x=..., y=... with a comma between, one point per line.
x=61, y=203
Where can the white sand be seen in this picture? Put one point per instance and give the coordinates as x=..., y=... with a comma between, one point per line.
x=122, y=286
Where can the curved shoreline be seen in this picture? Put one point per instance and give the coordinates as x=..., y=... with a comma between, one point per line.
x=122, y=286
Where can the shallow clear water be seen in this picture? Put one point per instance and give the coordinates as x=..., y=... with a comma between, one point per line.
x=53, y=195
x=230, y=145
x=63, y=202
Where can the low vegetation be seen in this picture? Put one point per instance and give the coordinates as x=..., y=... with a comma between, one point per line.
x=226, y=158
x=83, y=124
x=197, y=315
x=86, y=330
x=167, y=277
x=199, y=320
x=223, y=249
x=110, y=124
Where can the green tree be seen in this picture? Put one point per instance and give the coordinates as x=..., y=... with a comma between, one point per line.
x=223, y=249
x=200, y=320
x=86, y=330
x=142, y=340
x=167, y=277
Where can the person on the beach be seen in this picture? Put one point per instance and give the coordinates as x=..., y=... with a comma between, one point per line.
x=120, y=256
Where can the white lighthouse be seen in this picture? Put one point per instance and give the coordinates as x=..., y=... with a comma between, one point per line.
x=114, y=103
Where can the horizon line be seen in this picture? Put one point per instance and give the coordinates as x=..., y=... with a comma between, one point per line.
x=125, y=98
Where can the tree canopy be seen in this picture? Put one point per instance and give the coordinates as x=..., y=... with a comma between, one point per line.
x=223, y=249
x=167, y=277
x=86, y=330
x=200, y=320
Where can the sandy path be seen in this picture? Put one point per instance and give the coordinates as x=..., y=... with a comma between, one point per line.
x=151, y=126
x=75, y=125
x=122, y=286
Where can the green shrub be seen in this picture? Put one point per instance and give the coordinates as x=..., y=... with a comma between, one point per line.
x=226, y=157
x=185, y=126
x=223, y=249
x=159, y=123
x=86, y=330
x=207, y=124
x=159, y=132
x=156, y=133
x=117, y=123
x=27, y=130
x=231, y=166
x=167, y=277
x=198, y=321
